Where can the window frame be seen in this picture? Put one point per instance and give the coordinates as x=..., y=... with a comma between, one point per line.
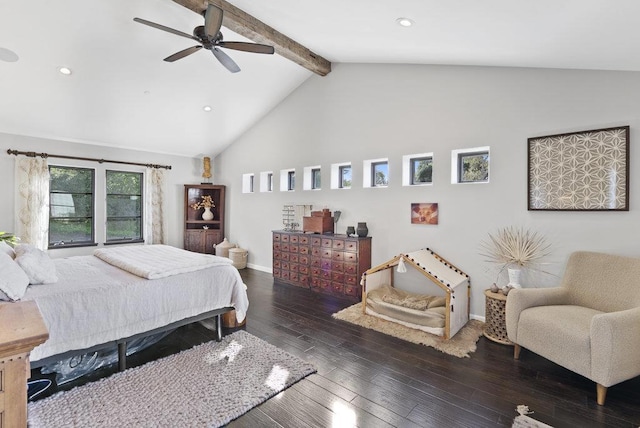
x=140, y=239
x=92, y=218
x=341, y=170
x=460, y=161
x=316, y=174
x=374, y=165
x=291, y=180
x=412, y=170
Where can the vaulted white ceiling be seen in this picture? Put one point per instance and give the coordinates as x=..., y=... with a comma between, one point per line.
x=122, y=94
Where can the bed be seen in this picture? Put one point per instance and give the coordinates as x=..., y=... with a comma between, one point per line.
x=96, y=304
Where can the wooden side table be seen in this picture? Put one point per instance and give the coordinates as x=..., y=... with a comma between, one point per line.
x=495, y=327
x=21, y=330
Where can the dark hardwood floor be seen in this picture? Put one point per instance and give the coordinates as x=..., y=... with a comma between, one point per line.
x=368, y=379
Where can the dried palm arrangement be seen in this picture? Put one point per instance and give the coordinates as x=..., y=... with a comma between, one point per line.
x=515, y=247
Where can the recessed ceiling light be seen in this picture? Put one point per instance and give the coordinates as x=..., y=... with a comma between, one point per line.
x=206, y=108
x=8, y=55
x=404, y=22
x=65, y=70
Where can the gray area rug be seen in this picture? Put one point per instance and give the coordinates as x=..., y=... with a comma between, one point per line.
x=461, y=345
x=206, y=386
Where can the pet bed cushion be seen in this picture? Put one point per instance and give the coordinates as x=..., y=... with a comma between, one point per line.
x=400, y=305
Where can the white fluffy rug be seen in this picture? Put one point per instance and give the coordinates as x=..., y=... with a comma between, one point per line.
x=461, y=345
x=206, y=386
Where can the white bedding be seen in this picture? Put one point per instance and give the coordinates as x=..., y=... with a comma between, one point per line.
x=158, y=261
x=94, y=302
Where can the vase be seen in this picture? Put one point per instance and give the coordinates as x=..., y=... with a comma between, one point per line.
x=514, y=278
x=207, y=215
x=362, y=230
x=351, y=230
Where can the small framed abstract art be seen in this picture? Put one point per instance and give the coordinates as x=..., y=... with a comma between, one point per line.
x=424, y=213
x=579, y=171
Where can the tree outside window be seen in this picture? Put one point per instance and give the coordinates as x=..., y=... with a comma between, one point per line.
x=473, y=167
x=345, y=177
x=124, y=206
x=421, y=170
x=71, y=204
x=380, y=174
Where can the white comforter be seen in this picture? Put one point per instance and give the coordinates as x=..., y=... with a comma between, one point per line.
x=158, y=261
x=94, y=302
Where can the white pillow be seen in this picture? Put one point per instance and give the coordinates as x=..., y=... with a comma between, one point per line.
x=6, y=248
x=36, y=264
x=13, y=280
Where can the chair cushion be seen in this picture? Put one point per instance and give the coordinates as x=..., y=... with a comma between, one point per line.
x=559, y=333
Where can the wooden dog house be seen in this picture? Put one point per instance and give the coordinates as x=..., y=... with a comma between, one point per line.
x=442, y=279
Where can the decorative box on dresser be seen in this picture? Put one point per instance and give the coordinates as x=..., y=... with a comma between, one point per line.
x=200, y=235
x=21, y=330
x=331, y=264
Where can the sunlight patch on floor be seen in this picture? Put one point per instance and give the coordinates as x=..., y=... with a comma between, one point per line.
x=277, y=379
x=229, y=353
x=343, y=416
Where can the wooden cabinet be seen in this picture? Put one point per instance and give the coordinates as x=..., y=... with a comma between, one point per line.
x=331, y=264
x=21, y=329
x=203, y=234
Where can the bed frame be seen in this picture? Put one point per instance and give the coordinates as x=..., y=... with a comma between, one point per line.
x=121, y=344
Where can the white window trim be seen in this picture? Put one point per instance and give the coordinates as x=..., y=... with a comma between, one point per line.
x=367, y=172
x=335, y=175
x=455, y=164
x=284, y=180
x=246, y=182
x=307, y=177
x=406, y=168
x=264, y=181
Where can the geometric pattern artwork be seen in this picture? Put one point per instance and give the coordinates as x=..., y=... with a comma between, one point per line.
x=580, y=171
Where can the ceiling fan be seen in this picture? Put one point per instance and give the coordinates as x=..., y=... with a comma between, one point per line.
x=210, y=37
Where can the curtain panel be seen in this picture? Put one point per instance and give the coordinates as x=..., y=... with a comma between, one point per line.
x=155, y=207
x=32, y=201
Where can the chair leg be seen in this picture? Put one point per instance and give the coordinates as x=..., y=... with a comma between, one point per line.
x=516, y=351
x=601, y=394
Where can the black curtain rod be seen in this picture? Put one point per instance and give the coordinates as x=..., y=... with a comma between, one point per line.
x=47, y=155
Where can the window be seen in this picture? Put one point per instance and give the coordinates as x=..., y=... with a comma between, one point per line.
x=124, y=206
x=315, y=178
x=287, y=180
x=421, y=170
x=344, y=177
x=470, y=165
x=379, y=174
x=266, y=181
x=291, y=180
x=247, y=183
x=71, y=206
x=473, y=167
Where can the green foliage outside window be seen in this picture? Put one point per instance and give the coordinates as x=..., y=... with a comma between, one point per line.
x=474, y=167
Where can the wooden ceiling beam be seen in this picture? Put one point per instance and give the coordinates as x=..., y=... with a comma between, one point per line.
x=253, y=29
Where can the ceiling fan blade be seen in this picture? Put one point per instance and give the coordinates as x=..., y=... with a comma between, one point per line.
x=179, y=55
x=163, y=28
x=225, y=60
x=212, y=21
x=247, y=47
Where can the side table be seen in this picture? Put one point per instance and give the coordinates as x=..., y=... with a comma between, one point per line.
x=495, y=327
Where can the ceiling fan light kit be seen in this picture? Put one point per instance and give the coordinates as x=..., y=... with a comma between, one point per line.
x=210, y=38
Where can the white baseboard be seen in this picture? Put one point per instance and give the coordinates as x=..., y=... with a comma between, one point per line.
x=260, y=268
x=476, y=317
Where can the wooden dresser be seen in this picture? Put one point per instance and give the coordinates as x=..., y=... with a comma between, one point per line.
x=21, y=329
x=331, y=264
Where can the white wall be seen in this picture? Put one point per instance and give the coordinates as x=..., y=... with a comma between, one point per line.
x=363, y=112
x=184, y=171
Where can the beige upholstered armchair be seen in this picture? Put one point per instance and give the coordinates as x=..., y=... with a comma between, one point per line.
x=590, y=324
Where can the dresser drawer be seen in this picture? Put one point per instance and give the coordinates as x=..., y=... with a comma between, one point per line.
x=338, y=244
x=293, y=239
x=337, y=277
x=303, y=239
x=294, y=258
x=338, y=256
x=276, y=237
x=316, y=241
x=351, y=280
x=325, y=264
x=350, y=257
x=337, y=266
x=277, y=246
x=316, y=252
x=326, y=253
x=351, y=268
x=276, y=264
x=304, y=260
x=284, y=237
x=303, y=250
x=293, y=248
x=327, y=242
x=351, y=246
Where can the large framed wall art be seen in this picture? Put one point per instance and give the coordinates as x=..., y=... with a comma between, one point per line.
x=580, y=171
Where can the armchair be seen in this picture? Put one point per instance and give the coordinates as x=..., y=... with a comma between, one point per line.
x=590, y=324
